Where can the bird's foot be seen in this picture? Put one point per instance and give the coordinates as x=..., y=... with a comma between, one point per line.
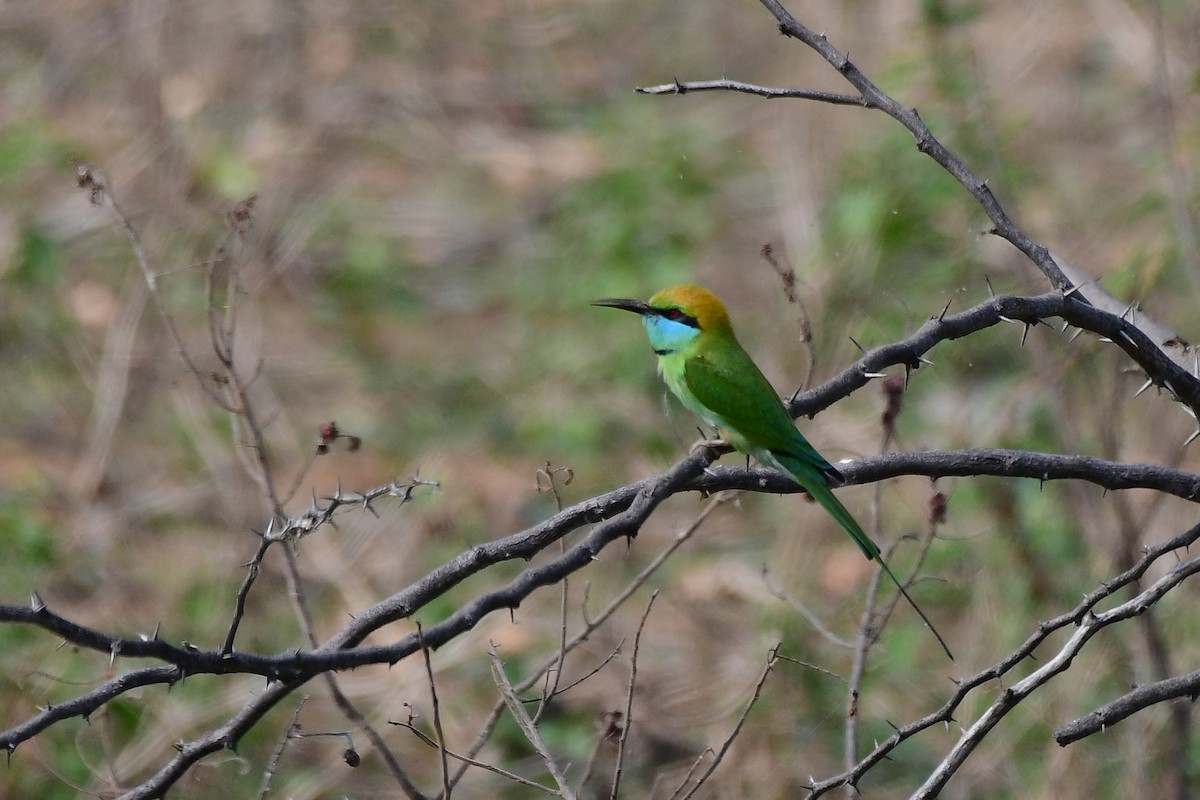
x=715, y=445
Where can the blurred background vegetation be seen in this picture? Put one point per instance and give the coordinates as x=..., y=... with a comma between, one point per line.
x=442, y=189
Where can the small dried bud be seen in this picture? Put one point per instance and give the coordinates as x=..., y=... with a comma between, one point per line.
x=610, y=724
x=893, y=398
x=329, y=432
x=83, y=174
x=937, y=508
x=241, y=216
x=351, y=757
x=90, y=179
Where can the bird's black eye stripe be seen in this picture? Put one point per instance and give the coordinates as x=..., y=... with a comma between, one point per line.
x=675, y=315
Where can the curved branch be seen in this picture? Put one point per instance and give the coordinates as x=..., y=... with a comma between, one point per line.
x=626, y=509
x=85, y=704
x=1159, y=367
x=224, y=737
x=1080, y=615
x=1142, y=697
x=340, y=652
x=689, y=474
x=1087, y=627
x=997, y=462
x=332, y=654
x=927, y=143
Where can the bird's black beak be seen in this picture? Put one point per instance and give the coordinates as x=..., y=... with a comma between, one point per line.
x=636, y=306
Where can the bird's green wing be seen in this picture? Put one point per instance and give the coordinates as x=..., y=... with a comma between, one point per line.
x=731, y=389
x=746, y=406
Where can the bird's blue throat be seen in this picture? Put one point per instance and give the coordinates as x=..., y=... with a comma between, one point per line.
x=668, y=336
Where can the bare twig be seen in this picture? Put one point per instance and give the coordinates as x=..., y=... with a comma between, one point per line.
x=727, y=85
x=787, y=275
x=96, y=183
x=624, y=737
x=390, y=762
x=591, y=625
x=532, y=735
x=814, y=667
x=869, y=629
x=553, y=676
x=292, y=529
x=772, y=658
x=437, y=715
x=277, y=755
x=803, y=610
x=512, y=776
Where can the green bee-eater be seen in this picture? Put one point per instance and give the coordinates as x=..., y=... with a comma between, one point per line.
x=705, y=366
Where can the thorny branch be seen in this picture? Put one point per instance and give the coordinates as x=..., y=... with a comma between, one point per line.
x=593, y=623
x=623, y=516
x=1186, y=687
x=927, y=143
x=1083, y=617
x=978, y=461
x=621, y=513
x=910, y=352
x=623, y=510
x=1140, y=348
x=1087, y=625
